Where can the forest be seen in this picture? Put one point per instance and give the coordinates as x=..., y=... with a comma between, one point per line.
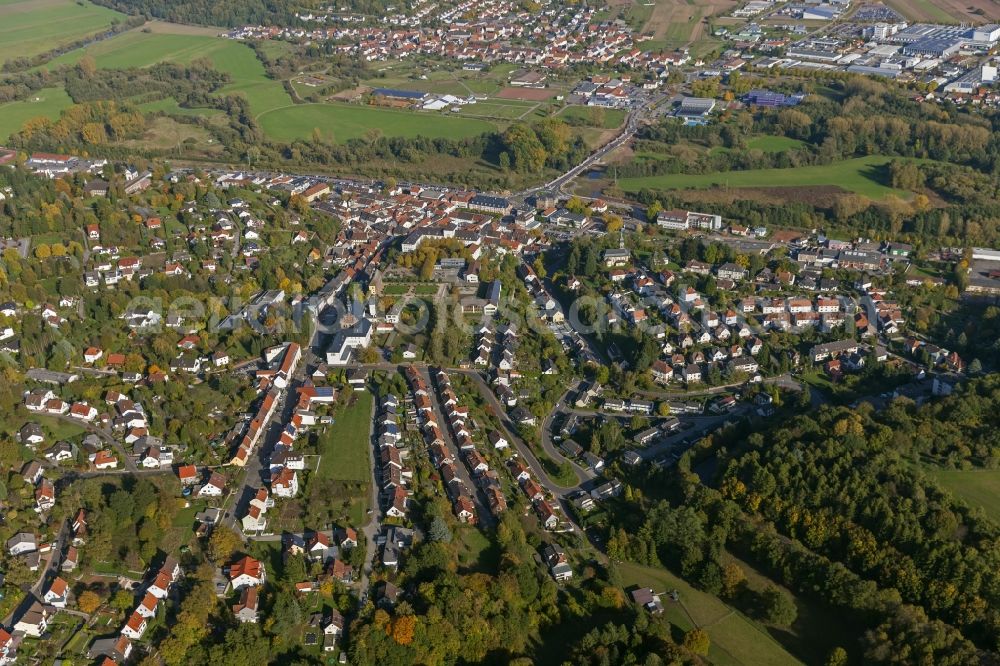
x=837, y=506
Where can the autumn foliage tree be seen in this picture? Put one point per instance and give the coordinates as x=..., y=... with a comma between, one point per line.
x=88, y=602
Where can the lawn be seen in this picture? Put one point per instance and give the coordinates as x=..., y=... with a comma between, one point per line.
x=735, y=639
x=862, y=175
x=593, y=116
x=475, y=550
x=344, y=445
x=31, y=27
x=978, y=487
x=48, y=102
x=773, y=144
x=348, y=121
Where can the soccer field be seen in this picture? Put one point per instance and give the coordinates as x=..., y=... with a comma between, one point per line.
x=31, y=27
x=347, y=121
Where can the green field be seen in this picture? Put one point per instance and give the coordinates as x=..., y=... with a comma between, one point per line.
x=170, y=105
x=773, y=144
x=344, y=445
x=48, y=102
x=978, y=487
x=31, y=27
x=735, y=639
x=345, y=121
x=593, y=116
x=141, y=49
x=861, y=175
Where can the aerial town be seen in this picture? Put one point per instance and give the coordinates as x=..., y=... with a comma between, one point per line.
x=512, y=333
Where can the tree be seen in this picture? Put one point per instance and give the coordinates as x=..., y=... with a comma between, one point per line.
x=122, y=600
x=88, y=602
x=837, y=657
x=653, y=211
x=87, y=66
x=402, y=629
x=733, y=579
x=777, y=607
x=223, y=544
x=697, y=641
x=528, y=155
x=439, y=530
x=539, y=267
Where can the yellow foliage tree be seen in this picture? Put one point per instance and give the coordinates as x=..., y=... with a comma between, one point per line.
x=88, y=602
x=403, y=628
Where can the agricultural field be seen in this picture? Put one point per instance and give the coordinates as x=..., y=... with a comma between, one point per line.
x=48, y=102
x=167, y=43
x=340, y=122
x=674, y=24
x=736, y=640
x=31, y=27
x=862, y=176
x=947, y=11
x=977, y=487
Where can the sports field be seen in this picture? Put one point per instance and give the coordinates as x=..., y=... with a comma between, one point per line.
x=30, y=27
x=862, y=176
x=345, y=121
x=735, y=639
x=48, y=102
x=978, y=487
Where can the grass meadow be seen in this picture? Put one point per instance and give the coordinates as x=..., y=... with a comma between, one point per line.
x=31, y=27
x=48, y=102
x=978, y=487
x=345, y=121
x=736, y=641
x=862, y=176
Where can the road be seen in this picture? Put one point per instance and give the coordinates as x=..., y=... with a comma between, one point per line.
x=50, y=568
x=510, y=432
x=631, y=127
x=107, y=436
x=252, y=479
x=483, y=513
x=545, y=434
x=374, y=524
